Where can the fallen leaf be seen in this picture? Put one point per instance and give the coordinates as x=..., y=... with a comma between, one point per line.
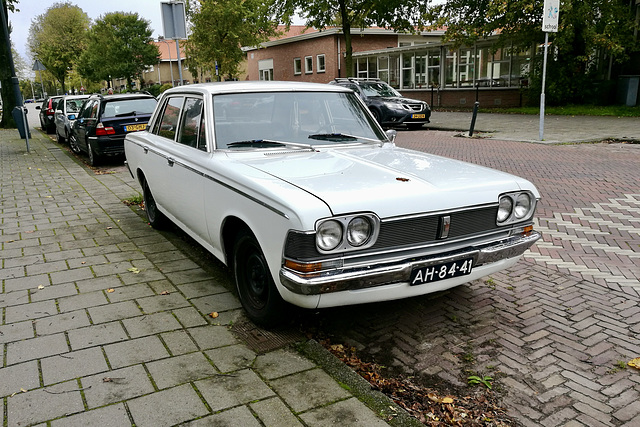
x=110, y=290
x=634, y=363
x=447, y=400
x=109, y=228
x=165, y=293
x=23, y=390
x=30, y=231
x=134, y=270
x=107, y=380
x=213, y=315
x=41, y=287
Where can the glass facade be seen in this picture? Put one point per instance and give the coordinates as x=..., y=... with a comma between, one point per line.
x=421, y=68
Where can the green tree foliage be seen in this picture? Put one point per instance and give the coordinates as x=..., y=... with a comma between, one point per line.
x=399, y=15
x=120, y=46
x=585, y=27
x=8, y=97
x=58, y=37
x=221, y=27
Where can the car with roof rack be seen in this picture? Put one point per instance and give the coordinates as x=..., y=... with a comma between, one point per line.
x=301, y=193
x=104, y=120
x=389, y=107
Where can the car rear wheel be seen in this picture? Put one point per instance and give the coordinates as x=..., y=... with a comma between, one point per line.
x=73, y=144
x=258, y=294
x=414, y=125
x=94, y=159
x=156, y=218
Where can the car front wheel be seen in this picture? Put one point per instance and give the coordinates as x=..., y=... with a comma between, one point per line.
x=258, y=294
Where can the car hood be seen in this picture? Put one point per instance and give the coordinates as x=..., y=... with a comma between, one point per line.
x=388, y=181
x=400, y=100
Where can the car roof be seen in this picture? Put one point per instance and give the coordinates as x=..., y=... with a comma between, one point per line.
x=255, y=86
x=122, y=96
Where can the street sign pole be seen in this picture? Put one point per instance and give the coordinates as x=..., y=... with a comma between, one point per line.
x=549, y=25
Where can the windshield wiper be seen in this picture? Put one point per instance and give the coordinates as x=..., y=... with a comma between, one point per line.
x=264, y=143
x=341, y=137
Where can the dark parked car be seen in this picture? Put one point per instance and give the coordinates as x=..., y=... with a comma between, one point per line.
x=103, y=122
x=47, y=113
x=67, y=110
x=388, y=106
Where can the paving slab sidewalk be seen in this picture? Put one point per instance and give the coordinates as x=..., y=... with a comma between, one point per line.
x=104, y=322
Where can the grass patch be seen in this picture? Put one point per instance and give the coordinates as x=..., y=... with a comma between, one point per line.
x=572, y=110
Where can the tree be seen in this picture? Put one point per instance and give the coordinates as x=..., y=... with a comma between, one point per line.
x=399, y=15
x=584, y=28
x=221, y=27
x=120, y=46
x=58, y=37
x=8, y=97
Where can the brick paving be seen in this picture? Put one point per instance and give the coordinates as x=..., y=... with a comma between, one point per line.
x=557, y=329
x=103, y=321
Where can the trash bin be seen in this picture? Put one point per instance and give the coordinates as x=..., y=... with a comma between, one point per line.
x=21, y=121
x=628, y=87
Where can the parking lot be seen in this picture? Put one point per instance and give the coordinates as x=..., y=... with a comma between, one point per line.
x=555, y=331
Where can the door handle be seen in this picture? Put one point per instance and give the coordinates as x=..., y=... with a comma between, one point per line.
x=146, y=149
x=170, y=161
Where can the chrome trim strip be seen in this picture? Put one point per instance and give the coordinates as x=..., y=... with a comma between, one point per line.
x=209, y=177
x=383, y=274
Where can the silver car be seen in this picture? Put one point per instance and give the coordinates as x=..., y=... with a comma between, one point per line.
x=66, y=111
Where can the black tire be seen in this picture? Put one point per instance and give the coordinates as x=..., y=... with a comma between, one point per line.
x=94, y=159
x=414, y=126
x=376, y=115
x=156, y=218
x=258, y=294
x=73, y=144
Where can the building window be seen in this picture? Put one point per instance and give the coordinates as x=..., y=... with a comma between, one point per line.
x=265, y=69
x=308, y=64
x=297, y=66
x=321, y=65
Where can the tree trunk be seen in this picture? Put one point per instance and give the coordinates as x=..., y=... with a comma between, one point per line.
x=8, y=97
x=346, y=29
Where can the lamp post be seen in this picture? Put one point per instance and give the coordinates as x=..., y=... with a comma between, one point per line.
x=161, y=39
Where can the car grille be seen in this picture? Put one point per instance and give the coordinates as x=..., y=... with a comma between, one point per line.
x=415, y=107
x=411, y=231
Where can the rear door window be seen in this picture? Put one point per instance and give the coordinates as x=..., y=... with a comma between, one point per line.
x=190, y=125
x=170, y=116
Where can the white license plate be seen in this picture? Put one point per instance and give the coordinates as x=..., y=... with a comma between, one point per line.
x=447, y=270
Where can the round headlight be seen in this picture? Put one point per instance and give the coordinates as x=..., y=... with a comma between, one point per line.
x=523, y=205
x=358, y=231
x=504, y=209
x=329, y=235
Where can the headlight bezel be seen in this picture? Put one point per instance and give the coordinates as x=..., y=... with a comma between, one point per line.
x=516, y=200
x=347, y=223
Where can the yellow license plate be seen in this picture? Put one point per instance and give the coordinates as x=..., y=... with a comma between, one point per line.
x=417, y=116
x=133, y=128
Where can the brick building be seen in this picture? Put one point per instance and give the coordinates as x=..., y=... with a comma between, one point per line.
x=420, y=65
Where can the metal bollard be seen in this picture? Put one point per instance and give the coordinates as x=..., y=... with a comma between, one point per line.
x=473, y=118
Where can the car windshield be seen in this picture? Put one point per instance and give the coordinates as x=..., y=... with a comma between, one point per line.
x=378, y=89
x=292, y=119
x=129, y=107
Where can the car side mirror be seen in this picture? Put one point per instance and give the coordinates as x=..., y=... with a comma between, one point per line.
x=71, y=116
x=391, y=134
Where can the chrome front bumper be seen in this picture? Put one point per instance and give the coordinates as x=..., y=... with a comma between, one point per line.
x=383, y=274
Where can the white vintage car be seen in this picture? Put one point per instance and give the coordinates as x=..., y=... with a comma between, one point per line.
x=299, y=191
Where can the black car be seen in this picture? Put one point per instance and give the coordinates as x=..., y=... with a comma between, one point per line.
x=104, y=121
x=388, y=106
x=47, y=113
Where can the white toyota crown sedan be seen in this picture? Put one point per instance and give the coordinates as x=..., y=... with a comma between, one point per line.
x=301, y=193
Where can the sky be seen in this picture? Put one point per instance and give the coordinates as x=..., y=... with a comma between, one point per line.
x=29, y=9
